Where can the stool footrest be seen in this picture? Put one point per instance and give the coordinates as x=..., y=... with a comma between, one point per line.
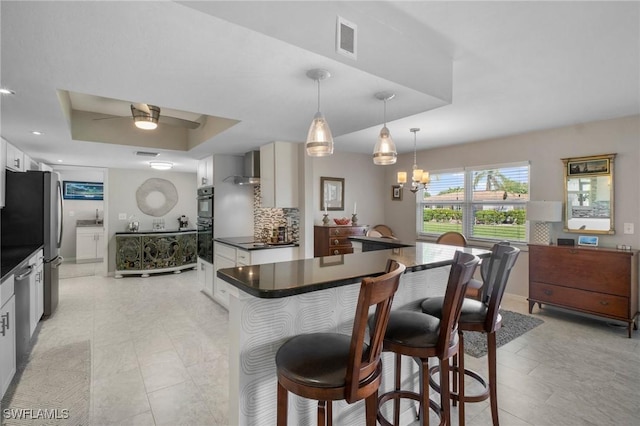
x=454, y=395
x=397, y=394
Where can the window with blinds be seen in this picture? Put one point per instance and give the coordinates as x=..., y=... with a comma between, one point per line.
x=486, y=203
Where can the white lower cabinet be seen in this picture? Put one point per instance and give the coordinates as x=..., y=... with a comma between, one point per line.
x=7, y=335
x=227, y=256
x=36, y=291
x=205, y=276
x=89, y=244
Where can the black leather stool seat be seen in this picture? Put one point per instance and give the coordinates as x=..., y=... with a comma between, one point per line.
x=412, y=329
x=472, y=311
x=319, y=359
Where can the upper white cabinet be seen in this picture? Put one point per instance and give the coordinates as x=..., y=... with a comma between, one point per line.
x=205, y=172
x=14, y=159
x=279, y=174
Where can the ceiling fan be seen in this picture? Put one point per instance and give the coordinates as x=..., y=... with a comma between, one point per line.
x=146, y=117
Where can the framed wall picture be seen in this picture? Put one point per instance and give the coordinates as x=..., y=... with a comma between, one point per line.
x=75, y=190
x=331, y=193
x=396, y=193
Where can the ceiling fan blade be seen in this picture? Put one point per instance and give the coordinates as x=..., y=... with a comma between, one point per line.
x=178, y=122
x=142, y=107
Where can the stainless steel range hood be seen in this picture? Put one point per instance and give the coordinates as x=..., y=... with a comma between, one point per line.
x=251, y=174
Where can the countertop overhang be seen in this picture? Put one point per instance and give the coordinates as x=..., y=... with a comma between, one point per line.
x=14, y=256
x=275, y=280
x=249, y=243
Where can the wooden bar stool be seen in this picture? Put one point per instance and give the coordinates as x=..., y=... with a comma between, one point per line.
x=483, y=316
x=330, y=366
x=421, y=336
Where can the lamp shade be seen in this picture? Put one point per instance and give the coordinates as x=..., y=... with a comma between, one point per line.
x=402, y=177
x=544, y=211
x=384, y=152
x=319, y=139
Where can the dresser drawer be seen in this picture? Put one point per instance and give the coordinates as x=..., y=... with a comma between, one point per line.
x=599, y=303
x=606, y=272
x=346, y=231
x=339, y=241
x=340, y=250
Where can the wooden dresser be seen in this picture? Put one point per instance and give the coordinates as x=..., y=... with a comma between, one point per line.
x=597, y=281
x=331, y=240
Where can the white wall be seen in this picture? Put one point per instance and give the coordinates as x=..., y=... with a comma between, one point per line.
x=77, y=209
x=364, y=184
x=121, y=186
x=543, y=149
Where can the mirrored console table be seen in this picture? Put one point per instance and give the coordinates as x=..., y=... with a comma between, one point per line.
x=145, y=253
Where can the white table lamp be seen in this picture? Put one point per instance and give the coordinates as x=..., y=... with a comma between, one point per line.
x=542, y=214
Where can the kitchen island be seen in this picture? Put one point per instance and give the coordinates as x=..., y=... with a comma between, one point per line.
x=271, y=302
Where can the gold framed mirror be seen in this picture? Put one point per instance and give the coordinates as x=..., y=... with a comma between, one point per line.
x=588, y=194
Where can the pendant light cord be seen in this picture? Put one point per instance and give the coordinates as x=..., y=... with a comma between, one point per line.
x=318, y=80
x=415, y=165
x=385, y=113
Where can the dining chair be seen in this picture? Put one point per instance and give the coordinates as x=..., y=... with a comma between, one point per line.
x=481, y=316
x=452, y=238
x=329, y=366
x=422, y=336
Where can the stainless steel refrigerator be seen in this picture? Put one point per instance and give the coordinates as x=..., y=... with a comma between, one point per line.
x=33, y=215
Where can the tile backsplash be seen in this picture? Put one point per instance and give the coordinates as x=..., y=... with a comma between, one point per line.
x=266, y=219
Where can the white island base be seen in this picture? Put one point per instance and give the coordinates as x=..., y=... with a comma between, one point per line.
x=258, y=327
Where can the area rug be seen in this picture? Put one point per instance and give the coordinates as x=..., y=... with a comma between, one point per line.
x=513, y=325
x=52, y=389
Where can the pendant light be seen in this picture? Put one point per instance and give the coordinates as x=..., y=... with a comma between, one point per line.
x=384, y=153
x=319, y=139
x=420, y=179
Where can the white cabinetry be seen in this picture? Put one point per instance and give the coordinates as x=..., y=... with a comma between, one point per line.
x=205, y=172
x=279, y=174
x=89, y=244
x=7, y=334
x=3, y=171
x=205, y=276
x=36, y=291
x=227, y=256
x=15, y=158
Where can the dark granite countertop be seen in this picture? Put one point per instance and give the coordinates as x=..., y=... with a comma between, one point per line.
x=13, y=256
x=274, y=280
x=390, y=242
x=151, y=231
x=250, y=243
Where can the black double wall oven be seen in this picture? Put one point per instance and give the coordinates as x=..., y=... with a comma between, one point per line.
x=205, y=223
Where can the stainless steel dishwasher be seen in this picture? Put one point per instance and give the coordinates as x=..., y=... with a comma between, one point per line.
x=23, y=314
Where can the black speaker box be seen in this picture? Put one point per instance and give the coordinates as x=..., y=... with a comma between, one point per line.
x=566, y=242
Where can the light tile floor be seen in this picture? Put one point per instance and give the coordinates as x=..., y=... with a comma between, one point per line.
x=159, y=352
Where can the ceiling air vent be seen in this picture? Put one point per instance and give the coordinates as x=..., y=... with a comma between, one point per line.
x=346, y=38
x=147, y=153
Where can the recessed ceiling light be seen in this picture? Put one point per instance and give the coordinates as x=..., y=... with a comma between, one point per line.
x=160, y=165
x=5, y=91
x=37, y=133
x=59, y=161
